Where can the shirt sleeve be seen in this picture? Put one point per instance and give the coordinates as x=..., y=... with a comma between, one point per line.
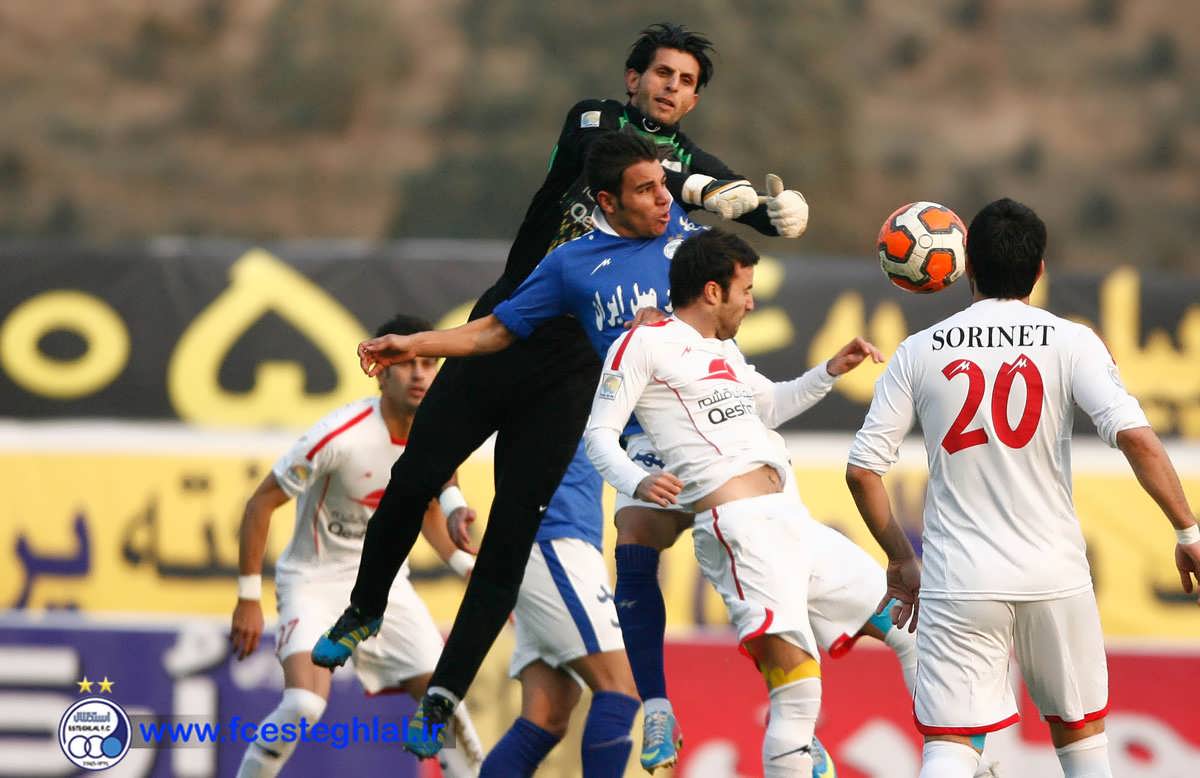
x=877, y=445
x=779, y=401
x=306, y=461
x=538, y=299
x=625, y=376
x=1096, y=387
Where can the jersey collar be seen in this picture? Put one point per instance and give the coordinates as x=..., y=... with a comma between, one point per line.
x=646, y=124
x=600, y=222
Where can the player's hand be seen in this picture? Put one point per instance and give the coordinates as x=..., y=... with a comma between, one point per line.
x=1187, y=559
x=730, y=198
x=852, y=355
x=645, y=315
x=660, y=488
x=458, y=524
x=903, y=584
x=376, y=354
x=787, y=208
x=247, y=627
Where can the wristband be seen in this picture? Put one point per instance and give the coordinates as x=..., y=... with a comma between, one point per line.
x=451, y=500
x=461, y=563
x=1188, y=536
x=249, y=587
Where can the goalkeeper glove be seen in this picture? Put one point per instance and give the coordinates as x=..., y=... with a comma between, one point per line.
x=731, y=199
x=787, y=208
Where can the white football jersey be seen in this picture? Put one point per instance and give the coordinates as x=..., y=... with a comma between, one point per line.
x=337, y=471
x=705, y=409
x=993, y=388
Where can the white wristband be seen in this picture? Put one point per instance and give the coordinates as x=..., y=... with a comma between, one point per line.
x=451, y=500
x=1188, y=536
x=461, y=562
x=249, y=587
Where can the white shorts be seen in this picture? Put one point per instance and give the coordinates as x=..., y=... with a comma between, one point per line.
x=408, y=643
x=758, y=554
x=964, y=684
x=845, y=587
x=565, y=607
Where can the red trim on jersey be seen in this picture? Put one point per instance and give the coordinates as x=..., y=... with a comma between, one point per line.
x=398, y=441
x=317, y=514
x=762, y=630
x=732, y=563
x=965, y=731
x=616, y=363
x=841, y=647
x=312, y=452
x=658, y=380
x=1094, y=716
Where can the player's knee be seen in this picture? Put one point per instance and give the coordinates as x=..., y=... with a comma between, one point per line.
x=645, y=527
x=300, y=704
x=778, y=677
x=1063, y=735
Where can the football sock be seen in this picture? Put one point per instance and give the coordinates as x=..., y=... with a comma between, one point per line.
x=947, y=759
x=606, y=741
x=519, y=752
x=904, y=644
x=643, y=617
x=265, y=760
x=787, y=744
x=1087, y=758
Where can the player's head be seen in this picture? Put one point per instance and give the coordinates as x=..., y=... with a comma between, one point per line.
x=1005, y=245
x=665, y=70
x=629, y=185
x=403, y=385
x=712, y=273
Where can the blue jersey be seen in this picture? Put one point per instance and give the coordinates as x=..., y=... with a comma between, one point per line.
x=601, y=279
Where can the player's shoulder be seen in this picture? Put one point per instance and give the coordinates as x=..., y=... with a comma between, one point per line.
x=594, y=113
x=643, y=338
x=339, y=421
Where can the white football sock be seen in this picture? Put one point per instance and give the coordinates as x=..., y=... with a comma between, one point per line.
x=1087, y=758
x=793, y=718
x=265, y=760
x=947, y=759
x=904, y=644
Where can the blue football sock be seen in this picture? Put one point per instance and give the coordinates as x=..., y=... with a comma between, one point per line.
x=606, y=741
x=519, y=752
x=643, y=617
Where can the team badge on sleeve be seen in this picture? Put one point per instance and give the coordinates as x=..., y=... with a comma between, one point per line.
x=299, y=472
x=589, y=119
x=610, y=384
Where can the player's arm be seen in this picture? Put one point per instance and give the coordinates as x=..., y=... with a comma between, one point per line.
x=714, y=187
x=780, y=401
x=485, y=335
x=625, y=376
x=247, y=626
x=876, y=448
x=435, y=529
x=1096, y=386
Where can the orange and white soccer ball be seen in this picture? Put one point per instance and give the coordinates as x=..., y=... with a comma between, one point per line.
x=923, y=247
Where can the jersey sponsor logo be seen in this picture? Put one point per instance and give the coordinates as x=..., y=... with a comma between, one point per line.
x=603, y=264
x=737, y=410
x=610, y=384
x=612, y=312
x=719, y=369
x=589, y=119
x=671, y=247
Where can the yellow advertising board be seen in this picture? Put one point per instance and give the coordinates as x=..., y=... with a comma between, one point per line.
x=148, y=532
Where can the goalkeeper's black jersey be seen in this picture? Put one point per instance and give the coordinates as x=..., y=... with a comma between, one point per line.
x=561, y=210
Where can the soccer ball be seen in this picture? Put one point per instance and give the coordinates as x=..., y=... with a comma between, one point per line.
x=923, y=247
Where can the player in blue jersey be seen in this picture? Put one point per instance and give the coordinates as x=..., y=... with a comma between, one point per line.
x=565, y=612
